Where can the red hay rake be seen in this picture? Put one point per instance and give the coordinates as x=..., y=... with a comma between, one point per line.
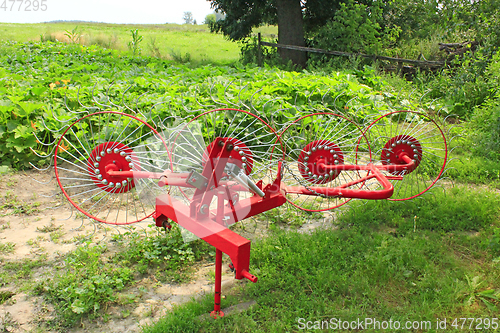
x=225, y=165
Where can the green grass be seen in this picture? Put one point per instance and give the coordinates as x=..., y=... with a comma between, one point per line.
x=169, y=41
x=372, y=267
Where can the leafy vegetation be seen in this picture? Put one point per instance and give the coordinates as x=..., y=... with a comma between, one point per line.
x=385, y=260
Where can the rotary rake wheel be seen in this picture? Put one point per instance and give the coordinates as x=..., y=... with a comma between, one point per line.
x=251, y=164
x=420, y=139
x=313, y=141
x=95, y=146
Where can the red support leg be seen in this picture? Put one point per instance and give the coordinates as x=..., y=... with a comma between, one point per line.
x=217, y=313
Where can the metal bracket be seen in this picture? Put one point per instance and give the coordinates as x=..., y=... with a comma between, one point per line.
x=197, y=180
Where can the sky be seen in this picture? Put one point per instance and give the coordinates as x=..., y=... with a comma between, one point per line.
x=109, y=11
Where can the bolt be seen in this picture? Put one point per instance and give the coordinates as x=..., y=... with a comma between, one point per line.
x=236, y=148
x=393, y=145
x=306, y=158
x=108, y=150
x=309, y=173
x=403, y=142
x=416, y=156
x=335, y=156
x=103, y=153
x=332, y=151
x=244, y=165
x=241, y=153
x=97, y=171
x=98, y=158
x=314, y=149
x=320, y=177
x=118, y=185
x=96, y=165
x=414, y=161
x=308, y=152
x=99, y=177
x=413, y=146
x=203, y=209
x=105, y=181
x=124, y=183
x=116, y=151
x=244, y=159
x=221, y=143
x=307, y=169
x=131, y=165
x=387, y=154
x=128, y=159
x=111, y=184
x=388, y=161
x=315, y=177
x=122, y=154
x=336, y=162
x=415, y=151
x=331, y=172
x=320, y=147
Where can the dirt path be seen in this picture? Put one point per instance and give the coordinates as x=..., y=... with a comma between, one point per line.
x=36, y=222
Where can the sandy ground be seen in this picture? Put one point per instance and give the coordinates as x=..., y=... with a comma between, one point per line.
x=28, y=207
x=20, y=193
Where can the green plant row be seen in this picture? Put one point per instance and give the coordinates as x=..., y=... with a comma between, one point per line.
x=51, y=80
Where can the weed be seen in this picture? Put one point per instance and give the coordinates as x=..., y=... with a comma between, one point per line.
x=5, y=295
x=73, y=35
x=49, y=228
x=134, y=45
x=154, y=48
x=7, y=247
x=472, y=292
x=56, y=235
x=86, y=286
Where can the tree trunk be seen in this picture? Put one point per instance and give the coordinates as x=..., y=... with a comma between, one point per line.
x=291, y=30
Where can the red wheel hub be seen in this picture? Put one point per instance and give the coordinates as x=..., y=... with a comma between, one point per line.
x=316, y=153
x=399, y=146
x=241, y=155
x=116, y=157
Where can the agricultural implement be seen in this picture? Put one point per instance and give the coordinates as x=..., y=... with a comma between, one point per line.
x=222, y=166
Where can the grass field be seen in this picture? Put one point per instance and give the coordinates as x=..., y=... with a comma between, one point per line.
x=187, y=43
x=425, y=260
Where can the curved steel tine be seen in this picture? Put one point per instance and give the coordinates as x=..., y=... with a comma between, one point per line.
x=251, y=101
x=42, y=156
x=70, y=215
x=119, y=107
x=43, y=183
x=67, y=107
x=89, y=108
x=39, y=169
x=95, y=100
x=323, y=97
x=40, y=141
x=123, y=99
x=228, y=102
x=137, y=104
x=239, y=97
x=212, y=97
x=47, y=128
x=197, y=101
x=48, y=196
x=335, y=101
x=63, y=121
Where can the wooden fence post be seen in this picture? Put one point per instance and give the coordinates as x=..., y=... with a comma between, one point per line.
x=259, y=51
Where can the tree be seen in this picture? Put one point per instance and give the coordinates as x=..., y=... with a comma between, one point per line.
x=293, y=17
x=210, y=19
x=188, y=18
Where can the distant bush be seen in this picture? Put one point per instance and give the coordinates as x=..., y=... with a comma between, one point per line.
x=210, y=19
